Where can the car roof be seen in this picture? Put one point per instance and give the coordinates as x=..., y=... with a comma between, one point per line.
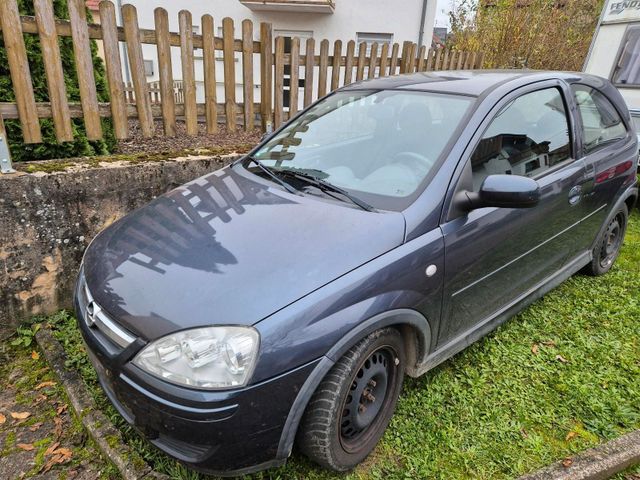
x=468, y=82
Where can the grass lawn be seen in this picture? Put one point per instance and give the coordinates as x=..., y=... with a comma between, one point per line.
x=559, y=378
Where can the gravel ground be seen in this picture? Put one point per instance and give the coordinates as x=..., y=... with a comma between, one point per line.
x=159, y=143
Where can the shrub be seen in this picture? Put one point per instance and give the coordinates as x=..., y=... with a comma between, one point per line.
x=50, y=148
x=538, y=34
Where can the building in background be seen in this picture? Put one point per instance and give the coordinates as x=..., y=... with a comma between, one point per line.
x=359, y=20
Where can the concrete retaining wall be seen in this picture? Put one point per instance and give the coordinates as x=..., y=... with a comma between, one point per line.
x=47, y=220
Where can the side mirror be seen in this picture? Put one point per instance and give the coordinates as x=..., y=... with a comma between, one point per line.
x=504, y=191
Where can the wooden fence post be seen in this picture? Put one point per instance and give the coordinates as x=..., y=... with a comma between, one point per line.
x=114, y=69
x=266, y=74
x=165, y=71
x=335, y=66
x=20, y=73
x=208, y=51
x=324, y=62
x=348, y=64
x=309, y=66
x=294, y=76
x=373, y=60
x=84, y=68
x=394, y=59
x=406, y=54
x=278, y=92
x=421, y=58
x=247, y=73
x=384, y=56
x=188, y=71
x=362, y=52
x=53, y=70
x=136, y=62
x=229, y=72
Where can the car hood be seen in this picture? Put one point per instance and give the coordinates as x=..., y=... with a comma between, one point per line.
x=227, y=248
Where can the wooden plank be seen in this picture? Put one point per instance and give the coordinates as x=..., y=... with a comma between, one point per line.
x=136, y=63
x=20, y=73
x=452, y=60
x=445, y=59
x=209, y=66
x=422, y=59
x=53, y=70
x=266, y=75
x=247, y=72
x=278, y=91
x=185, y=22
x=165, y=71
x=384, y=59
x=147, y=36
x=373, y=60
x=413, y=54
x=438, y=61
x=394, y=59
x=406, y=54
x=308, y=71
x=430, y=55
x=348, y=66
x=84, y=68
x=469, y=61
x=324, y=62
x=3, y=130
x=229, y=72
x=480, y=61
x=362, y=52
x=335, y=68
x=294, y=76
x=460, y=61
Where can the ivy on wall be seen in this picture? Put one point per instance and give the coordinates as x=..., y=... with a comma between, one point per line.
x=50, y=148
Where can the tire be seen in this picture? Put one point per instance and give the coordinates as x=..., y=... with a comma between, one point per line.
x=353, y=405
x=609, y=243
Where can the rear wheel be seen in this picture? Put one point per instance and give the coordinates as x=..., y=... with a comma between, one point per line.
x=608, y=246
x=352, y=406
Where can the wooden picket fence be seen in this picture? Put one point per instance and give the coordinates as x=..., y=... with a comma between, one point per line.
x=324, y=71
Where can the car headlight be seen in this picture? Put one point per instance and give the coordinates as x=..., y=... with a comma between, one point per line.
x=209, y=358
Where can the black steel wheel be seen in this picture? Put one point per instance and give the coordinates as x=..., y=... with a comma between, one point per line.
x=351, y=408
x=608, y=246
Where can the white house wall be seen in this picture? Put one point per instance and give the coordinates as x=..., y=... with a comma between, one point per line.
x=398, y=17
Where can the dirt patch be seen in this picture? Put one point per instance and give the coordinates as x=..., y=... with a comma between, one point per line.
x=159, y=143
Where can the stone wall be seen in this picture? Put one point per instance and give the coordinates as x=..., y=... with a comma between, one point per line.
x=48, y=219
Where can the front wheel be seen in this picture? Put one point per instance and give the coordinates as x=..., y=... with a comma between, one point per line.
x=353, y=405
x=608, y=245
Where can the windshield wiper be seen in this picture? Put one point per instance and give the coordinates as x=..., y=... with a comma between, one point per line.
x=272, y=175
x=325, y=187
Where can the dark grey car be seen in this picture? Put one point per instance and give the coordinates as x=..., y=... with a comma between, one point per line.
x=378, y=233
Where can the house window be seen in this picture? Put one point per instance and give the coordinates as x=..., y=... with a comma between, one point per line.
x=371, y=38
x=627, y=66
x=148, y=68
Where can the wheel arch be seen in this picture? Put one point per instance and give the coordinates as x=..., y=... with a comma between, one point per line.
x=416, y=334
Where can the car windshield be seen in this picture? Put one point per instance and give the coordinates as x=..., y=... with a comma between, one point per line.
x=377, y=145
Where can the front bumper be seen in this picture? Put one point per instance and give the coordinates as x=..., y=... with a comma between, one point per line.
x=221, y=432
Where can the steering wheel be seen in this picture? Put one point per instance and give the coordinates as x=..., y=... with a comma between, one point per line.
x=413, y=159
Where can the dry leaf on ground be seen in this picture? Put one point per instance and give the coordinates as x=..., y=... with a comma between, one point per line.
x=2, y=419
x=20, y=415
x=534, y=349
x=35, y=355
x=567, y=462
x=27, y=447
x=45, y=384
x=62, y=408
x=560, y=358
x=35, y=426
x=570, y=435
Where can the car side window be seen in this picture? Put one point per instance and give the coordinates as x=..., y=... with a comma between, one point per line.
x=527, y=137
x=601, y=122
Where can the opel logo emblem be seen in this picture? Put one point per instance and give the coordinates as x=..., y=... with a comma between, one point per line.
x=92, y=310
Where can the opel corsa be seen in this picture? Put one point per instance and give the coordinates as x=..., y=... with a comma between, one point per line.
x=281, y=299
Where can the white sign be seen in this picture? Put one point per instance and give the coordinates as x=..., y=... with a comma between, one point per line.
x=619, y=11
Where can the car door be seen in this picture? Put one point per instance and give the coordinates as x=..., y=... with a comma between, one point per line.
x=493, y=256
x=608, y=153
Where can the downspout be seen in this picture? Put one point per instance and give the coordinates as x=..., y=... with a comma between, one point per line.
x=423, y=17
x=125, y=55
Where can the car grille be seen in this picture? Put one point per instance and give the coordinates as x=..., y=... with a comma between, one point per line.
x=97, y=319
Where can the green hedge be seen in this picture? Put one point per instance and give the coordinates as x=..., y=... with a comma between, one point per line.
x=81, y=146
